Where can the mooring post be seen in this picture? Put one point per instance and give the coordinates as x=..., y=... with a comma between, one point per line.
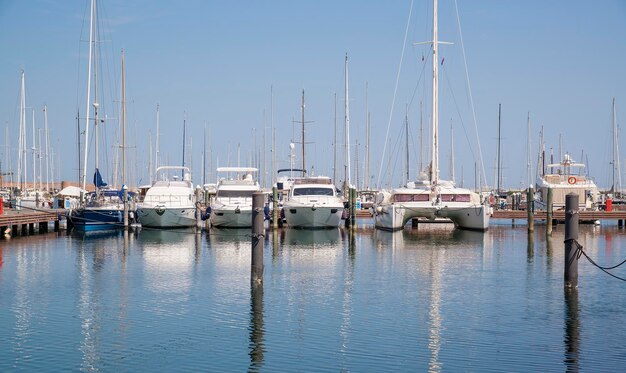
x=571, y=240
x=198, y=210
x=125, y=188
x=549, y=213
x=353, y=208
x=257, y=238
x=275, y=212
x=529, y=209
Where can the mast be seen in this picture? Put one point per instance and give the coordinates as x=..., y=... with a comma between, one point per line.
x=33, y=150
x=451, y=151
x=347, y=130
x=182, y=172
x=616, y=163
x=91, y=43
x=367, y=141
x=47, y=155
x=21, y=147
x=39, y=157
x=529, y=157
x=434, y=170
x=421, y=138
x=499, y=161
x=302, y=111
x=406, y=139
x=123, y=124
x=156, y=145
x=335, y=144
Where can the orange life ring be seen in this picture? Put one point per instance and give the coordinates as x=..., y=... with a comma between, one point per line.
x=571, y=180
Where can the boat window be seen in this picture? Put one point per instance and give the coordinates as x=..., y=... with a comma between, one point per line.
x=411, y=197
x=312, y=191
x=455, y=198
x=234, y=193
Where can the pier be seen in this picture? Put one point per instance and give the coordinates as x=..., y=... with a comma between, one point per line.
x=560, y=215
x=23, y=222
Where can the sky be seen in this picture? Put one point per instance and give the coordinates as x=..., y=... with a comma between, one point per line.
x=229, y=71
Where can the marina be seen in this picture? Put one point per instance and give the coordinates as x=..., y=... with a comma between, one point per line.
x=416, y=299
x=452, y=200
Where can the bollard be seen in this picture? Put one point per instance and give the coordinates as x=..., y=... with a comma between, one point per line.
x=257, y=238
x=125, y=207
x=571, y=237
x=529, y=209
x=198, y=210
x=275, y=215
x=549, y=213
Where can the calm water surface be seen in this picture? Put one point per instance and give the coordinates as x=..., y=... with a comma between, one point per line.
x=427, y=299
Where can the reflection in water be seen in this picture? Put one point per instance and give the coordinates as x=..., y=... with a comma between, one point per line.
x=169, y=256
x=89, y=306
x=572, y=329
x=256, y=329
x=347, y=311
x=311, y=237
x=530, y=247
x=434, y=313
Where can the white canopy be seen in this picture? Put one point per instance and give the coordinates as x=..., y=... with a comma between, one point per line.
x=72, y=191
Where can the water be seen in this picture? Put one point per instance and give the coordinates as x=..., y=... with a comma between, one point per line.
x=428, y=299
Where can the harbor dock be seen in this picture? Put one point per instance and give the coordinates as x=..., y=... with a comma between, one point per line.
x=23, y=222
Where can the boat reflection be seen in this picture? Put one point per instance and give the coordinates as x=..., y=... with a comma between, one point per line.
x=310, y=238
x=429, y=236
x=169, y=257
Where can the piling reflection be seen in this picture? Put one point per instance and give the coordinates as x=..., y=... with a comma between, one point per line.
x=572, y=330
x=530, y=248
x=256, y=329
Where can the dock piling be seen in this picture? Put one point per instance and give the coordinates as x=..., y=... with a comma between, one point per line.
x=549, y=213
x=571, y=240
x=529, y=209
x=275, y=212
x=257, y=238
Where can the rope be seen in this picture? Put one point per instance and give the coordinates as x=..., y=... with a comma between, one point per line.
x=580, y=251
x=395, y=91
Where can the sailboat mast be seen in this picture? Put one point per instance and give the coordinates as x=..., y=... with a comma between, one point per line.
x=529, y=159
x=335, y=145
x=89, y=63
x=33, y=149
x=434, y=172
x=302, y=112
x=451, y=151
x=123, y=123
x=156, y=145
x=47, y=153
x=182, y=172
x=21, y=135
x=406, y=139
x=347, y=129
x=499, y=162
x=367, y=141
x=616, y=164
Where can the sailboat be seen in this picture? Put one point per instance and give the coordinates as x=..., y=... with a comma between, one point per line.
x=30, y=198
x=429, y=197
x=102, y=209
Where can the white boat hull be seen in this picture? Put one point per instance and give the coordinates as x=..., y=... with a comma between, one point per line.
x=312, y=217
x=166, y=217
x=231, y=218
x=393, y=217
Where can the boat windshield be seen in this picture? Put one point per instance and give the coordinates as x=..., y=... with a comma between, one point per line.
x=313, y=191
x=234, y=193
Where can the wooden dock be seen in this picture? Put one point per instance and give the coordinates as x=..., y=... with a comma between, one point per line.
x=560, y=215
x=23, y=222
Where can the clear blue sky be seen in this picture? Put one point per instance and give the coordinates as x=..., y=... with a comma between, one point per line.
x=214, y=62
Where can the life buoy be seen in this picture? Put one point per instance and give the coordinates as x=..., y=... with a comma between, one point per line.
x=571, y=180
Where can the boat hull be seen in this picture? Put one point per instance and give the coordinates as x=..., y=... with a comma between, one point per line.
x=96, y=219
x=313, y=217
x=393, y=217
x=230, y=218
x=166, y=217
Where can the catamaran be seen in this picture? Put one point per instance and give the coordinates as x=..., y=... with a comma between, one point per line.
x=430, y=197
